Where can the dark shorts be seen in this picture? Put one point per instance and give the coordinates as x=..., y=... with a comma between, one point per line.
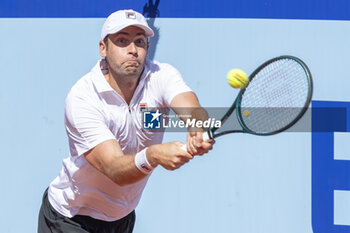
x=50, y=221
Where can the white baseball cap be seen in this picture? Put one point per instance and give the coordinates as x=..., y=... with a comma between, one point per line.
x=122, y=19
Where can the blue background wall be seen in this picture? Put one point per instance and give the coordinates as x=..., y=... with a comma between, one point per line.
x=247, y=184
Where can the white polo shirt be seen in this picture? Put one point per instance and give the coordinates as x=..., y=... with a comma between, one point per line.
x=94, y=113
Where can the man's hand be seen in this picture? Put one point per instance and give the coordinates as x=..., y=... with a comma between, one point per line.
x=196, y=145
x=168, y=155
x=187, y=104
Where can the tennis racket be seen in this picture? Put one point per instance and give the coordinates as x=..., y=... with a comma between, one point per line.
x=276, y=97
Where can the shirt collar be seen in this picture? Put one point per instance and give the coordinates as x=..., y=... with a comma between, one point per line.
x=99, y=79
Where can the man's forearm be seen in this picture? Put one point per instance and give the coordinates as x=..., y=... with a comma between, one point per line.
x=124, y=169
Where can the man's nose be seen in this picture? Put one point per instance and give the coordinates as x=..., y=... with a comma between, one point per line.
x=132, y=49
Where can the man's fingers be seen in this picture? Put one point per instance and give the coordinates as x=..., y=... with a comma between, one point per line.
x=207, y=146
x=185, y=160
x=190, y=147
x=184, y=153
x=198, y=139
x=193, y=133
x=186, y=156
x=212, y=141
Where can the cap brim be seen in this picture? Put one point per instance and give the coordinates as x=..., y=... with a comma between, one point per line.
x=148, y=31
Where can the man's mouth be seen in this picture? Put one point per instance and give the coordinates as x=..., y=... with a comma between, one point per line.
x=132, y=63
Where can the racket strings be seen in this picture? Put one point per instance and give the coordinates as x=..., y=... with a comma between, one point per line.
x=275, y=96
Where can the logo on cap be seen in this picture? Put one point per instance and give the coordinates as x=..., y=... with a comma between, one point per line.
x=130, y=15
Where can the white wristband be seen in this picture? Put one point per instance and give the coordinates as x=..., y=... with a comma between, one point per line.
x=142, y=163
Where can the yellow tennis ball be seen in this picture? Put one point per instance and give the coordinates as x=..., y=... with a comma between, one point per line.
x=237, y=78
x=246, y=113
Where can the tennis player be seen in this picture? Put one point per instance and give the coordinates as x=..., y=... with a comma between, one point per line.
x=111, y=156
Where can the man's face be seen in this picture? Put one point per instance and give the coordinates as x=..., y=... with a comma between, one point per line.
x=126, y=51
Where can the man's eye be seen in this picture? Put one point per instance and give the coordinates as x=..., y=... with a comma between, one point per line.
x=140, y=42
x=121, y=42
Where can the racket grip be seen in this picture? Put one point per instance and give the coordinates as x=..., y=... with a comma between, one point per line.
x=205, y=137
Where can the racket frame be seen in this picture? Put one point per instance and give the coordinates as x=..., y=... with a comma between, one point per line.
x=237, y=103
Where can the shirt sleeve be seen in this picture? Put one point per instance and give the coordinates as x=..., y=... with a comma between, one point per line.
x=172, y=83
x=86, y=125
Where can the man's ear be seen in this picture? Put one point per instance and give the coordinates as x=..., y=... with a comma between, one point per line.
x=103, y=49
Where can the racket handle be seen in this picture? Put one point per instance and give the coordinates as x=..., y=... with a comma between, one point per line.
x=205, y=137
